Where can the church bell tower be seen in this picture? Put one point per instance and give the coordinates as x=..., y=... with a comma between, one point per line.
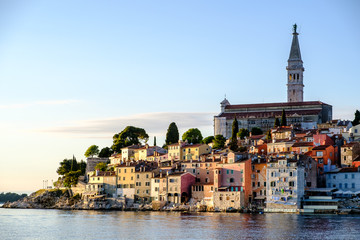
x=295, y=70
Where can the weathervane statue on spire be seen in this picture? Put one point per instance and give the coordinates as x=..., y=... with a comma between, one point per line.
x=294, y=27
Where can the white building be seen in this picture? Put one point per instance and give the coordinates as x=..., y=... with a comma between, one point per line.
x=344, y=179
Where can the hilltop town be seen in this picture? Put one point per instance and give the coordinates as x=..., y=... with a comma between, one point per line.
x=269, y=157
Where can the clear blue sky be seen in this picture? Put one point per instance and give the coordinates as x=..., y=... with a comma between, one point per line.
x=73, y=73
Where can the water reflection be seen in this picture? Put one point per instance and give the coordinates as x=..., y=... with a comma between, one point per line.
x=57, y=224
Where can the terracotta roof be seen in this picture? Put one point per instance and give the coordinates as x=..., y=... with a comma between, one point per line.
x=303, y=144
x=268, y=114
x=322, y=147
x=351, y=144
x=256, y=137
x=283, y=104
x=106, y=174
x=349, y=169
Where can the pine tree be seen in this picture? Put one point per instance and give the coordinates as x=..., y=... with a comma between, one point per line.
x=235, y=130
x=283, y=118
x=357, y=118
x=172, y=135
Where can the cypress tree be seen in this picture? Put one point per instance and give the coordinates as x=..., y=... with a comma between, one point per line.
x=154, y=140
x=277, y=123
x=283, y=118
x=172, y=135
x=235, y=130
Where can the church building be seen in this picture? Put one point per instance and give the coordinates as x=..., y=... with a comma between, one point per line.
x=300, y=113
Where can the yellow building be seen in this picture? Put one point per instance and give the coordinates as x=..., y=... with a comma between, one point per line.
x=125, y=175
x=102, y=183
x=193, y=152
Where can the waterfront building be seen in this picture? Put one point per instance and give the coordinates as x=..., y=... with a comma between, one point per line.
x=344, y=179
x=258, y=180
x=145, y=151
x=91, y=164
x=233, y=175
x=286, y=181
x=143, y=183
x=179, y=186
x=125, y=174
x=130, y=153
x=305, y=114
x=101, y=183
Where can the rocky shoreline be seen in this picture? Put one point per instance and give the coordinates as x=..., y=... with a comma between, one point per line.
x=64, y=200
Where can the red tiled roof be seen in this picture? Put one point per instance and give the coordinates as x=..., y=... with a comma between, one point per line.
x=284, y=104
x=322, y=147
x=303, y=144
x=349, y=169
x=269, y=114
x=106, y=174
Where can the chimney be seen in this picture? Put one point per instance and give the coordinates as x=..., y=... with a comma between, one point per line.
x=97, y=172
x=213, y=158
x=160, y=174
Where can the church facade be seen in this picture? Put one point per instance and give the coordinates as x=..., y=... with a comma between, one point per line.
x=305, y=114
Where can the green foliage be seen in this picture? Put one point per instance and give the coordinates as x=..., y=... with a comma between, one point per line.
x=268, y=135
x=101, y=166
x=208, y=139
x=105, y=152
x=357, y=118
x=11, y=197
x=283, y=118
x=193, y=135
x=172, y=134
x=276, y=123
x=129, y=136
x=219, y=141
x=154, y=140
x=71, y=178
x=91, y=151
x=68, y=165
x=233, y=139
x=242, y=149
x=256, y=131
x=243, y=133
x=70, y=171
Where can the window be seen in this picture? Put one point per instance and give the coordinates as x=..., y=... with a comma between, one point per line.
x=258, y=184
x=253, y=184
x=345, y=176
x=147, y=175
x=125, y=170
x=132, y=178
x=353, y=185
x=123, y=178
x=264, y=184
x=172, y=180
x=292, y=184
x=319, y=154
x=227, y=171
x=346, y=185
x=352, y=176
x=137, y=176
x=231, y=180
x=291, y=174
x=340, y=185
x=232, y=171
x=273, y=184
x=119, y=170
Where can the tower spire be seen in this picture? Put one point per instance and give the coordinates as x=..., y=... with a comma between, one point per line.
x=295, y=70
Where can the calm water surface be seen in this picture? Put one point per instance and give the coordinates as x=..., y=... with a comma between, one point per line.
x=60, y=224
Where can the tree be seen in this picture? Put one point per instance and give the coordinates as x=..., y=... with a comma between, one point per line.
x=283, y=118
x=70, y=171
x=357, y=118
x=233, y=139
x=219, y=141
x=243, y=133
x=277, y=123
x=106, y=152
x=172, y=134
x=11, y=197
x=154, y=140
x=193, y=135
x=101, y=166
x=91, y=151
x=208, y=139
x=256, y=131
x=268, y=135
x=129, y=136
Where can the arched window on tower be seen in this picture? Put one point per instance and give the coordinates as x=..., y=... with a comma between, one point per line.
x=290, y=76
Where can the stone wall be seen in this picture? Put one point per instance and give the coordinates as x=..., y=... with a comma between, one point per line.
x=226, y=200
